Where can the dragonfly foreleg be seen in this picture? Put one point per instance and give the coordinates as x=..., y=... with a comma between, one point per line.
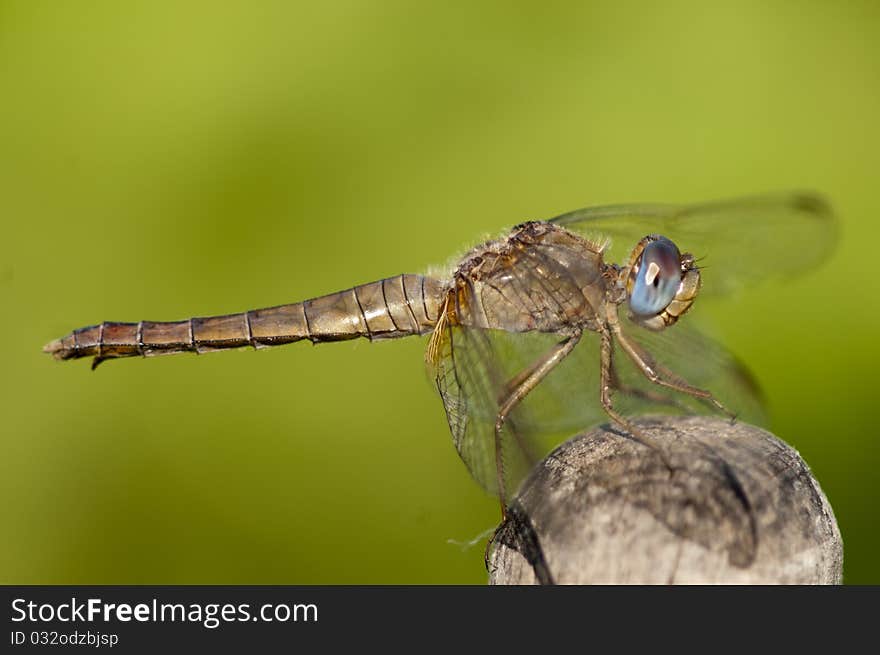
x=645, y=394
x=518, y=389
x=660, y=375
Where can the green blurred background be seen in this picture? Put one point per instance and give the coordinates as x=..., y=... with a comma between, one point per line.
x=162, y=160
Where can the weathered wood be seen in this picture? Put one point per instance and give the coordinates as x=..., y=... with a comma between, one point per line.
x=739, y=506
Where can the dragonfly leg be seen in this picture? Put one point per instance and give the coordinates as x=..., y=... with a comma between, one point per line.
x=518, y=389
x=644, y=394
x=662, y=376
x=607, y=387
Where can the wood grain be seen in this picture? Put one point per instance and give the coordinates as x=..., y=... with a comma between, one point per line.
x=739, y=506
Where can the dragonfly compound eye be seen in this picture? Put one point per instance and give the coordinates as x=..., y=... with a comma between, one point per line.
x=662, y=283
x=656, y=278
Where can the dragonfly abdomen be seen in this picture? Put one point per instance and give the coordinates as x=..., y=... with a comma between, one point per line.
x=395, y=307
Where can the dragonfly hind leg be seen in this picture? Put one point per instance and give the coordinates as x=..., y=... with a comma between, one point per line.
x=517, y=389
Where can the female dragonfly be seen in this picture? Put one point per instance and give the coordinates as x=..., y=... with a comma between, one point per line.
x=549, y=328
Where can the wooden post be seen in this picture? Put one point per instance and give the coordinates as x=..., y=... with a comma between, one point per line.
x=738, y=506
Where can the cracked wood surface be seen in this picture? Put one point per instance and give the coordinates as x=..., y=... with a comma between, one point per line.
x=739, y=507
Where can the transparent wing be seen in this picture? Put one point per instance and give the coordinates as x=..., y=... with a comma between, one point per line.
x=699, y=361
x=738, y=241
x=473, y=370
x=568, y=400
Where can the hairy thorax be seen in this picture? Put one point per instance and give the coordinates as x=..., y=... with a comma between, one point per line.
x=540, y=277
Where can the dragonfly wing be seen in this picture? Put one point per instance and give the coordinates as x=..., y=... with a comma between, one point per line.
x=567, y=400
x=699, y=361
x=465, y=370
x=738, y=241
x=473, y=368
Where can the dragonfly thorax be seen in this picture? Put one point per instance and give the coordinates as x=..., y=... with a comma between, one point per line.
x=540, y=277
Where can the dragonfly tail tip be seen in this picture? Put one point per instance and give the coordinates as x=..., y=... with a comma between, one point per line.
x=54, y=348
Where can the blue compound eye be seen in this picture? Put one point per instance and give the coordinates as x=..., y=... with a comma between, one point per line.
x=657, y=280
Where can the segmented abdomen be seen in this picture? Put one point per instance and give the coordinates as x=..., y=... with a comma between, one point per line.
x=398, y=306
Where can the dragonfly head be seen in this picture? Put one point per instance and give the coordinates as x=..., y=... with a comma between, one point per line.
x=661, y=282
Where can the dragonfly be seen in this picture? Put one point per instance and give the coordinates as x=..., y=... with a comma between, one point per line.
x=557, y=325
